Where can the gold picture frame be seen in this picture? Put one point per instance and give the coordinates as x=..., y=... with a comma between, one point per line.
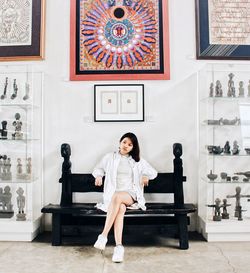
x=22, y=30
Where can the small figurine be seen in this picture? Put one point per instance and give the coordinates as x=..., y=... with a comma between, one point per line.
x=241, y=89
x=20, y=174
x=235, y=121
x=236, y=149
x=227, y=148
x=240, y=210
x=1, y=166
x=28, y=168
x=217, y=206
x=21, y=216
x=3, y=131
x=14, y=95
x=27, y=91
x=5, y=89
x=225, y=214
x=19, y=169
x=229, y=179
x=6, y=175
x=238, y=196
x=247, y=151
x=18, y=135
x=5, y=203
x=247, y=174
x=231, y=88
x=212, y=176
x=211, y=88
x=217, y=150
x=218, y=89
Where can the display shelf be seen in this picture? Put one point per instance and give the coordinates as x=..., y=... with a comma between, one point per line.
x=227, y=99
x=19, y=105
x=240, y=155
x=20, y=140
x=21, y=179
x=225, y=182
x=221, y=126
x=12, y=230
x=229, y=80
x=226, y=230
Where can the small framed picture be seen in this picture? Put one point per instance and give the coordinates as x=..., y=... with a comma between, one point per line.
x=119, y=102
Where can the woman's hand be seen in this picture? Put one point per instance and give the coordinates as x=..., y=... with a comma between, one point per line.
x=98, y=181
x=144, y=181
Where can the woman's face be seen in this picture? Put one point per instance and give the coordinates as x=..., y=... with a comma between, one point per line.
x=126, y=146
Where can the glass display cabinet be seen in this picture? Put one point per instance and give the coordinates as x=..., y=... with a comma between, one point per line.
x=224, y=153
x=21, y=183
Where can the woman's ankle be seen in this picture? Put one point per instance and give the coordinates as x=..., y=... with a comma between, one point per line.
x=104, y=235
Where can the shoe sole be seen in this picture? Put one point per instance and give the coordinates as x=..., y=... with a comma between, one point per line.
x=117, y=261
x=98, y=247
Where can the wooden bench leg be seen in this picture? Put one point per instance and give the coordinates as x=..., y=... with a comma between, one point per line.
x=56, y=229
x=183, y=231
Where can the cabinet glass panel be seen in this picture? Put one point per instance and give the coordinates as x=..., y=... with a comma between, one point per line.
x=20, y=151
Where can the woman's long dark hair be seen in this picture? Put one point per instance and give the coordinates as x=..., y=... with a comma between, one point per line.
x=135, y=152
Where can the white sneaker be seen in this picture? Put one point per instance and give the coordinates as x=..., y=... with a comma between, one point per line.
x=118, y=254
x=101, y=242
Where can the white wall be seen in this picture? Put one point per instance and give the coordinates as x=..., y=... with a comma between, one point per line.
x=172, y=105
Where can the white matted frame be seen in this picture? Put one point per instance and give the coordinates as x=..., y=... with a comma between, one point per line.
x=119, y=102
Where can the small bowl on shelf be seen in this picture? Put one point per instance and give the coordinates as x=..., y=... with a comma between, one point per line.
x=211, y=176
x=235, y=178
x=247, y=151
x=223, y=176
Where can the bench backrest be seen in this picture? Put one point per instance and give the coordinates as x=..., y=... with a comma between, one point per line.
x=163, y=183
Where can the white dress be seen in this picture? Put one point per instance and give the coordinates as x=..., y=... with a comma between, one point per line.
x=124, y=179
x=108, y=166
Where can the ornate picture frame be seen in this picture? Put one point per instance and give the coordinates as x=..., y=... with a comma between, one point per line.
x=22, y=25
x=119, y=40
x=222, y=30
x=119, y=102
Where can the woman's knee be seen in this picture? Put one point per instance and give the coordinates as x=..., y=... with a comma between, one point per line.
x=122, y=209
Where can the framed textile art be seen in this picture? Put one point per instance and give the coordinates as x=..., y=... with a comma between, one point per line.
x=119, y=40
x=22, y=30
x=223, y=29
x=119, y=102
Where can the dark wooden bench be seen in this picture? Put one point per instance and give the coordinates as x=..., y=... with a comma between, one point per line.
x=69, y=217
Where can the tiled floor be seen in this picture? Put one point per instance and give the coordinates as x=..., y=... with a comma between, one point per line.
x=145, y=255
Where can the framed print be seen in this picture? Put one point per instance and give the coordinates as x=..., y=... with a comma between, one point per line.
x=22, y=30
x=123, y=102
x=119, y=40
x=223, y=29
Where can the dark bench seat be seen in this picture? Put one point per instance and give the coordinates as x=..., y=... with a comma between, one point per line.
x=68, y=217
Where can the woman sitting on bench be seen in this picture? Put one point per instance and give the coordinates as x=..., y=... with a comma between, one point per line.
x=125, y=176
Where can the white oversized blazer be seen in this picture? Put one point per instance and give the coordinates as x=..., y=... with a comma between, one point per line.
x=108, y=167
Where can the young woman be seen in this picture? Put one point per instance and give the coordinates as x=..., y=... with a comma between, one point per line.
x=125, y=176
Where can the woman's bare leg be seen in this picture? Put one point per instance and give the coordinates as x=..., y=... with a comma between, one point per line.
x=117, y=199
x=118, y=224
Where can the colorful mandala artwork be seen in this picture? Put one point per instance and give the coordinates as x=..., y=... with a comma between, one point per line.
x=119, y=36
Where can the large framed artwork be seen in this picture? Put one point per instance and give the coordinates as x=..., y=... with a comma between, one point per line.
x=119, y=40
x=119, y=102
x=22, y=30
x=223, y=29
